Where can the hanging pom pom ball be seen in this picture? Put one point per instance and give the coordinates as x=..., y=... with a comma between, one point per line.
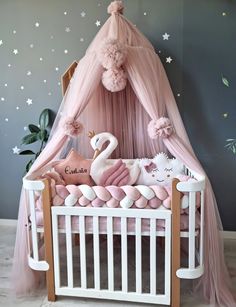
x=71, y=126
x=161, y=127
x=116, y=7
x=112, y=53
x=114, y=80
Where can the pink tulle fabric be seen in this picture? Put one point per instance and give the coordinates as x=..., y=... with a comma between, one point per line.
x=112, y=54
x=114, y=79
x=71, y=126
x=161, y=127
x=115, y=7
x=147, y=96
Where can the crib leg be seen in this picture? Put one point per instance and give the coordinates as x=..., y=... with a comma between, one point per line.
x=48, y=240
x=175, y=254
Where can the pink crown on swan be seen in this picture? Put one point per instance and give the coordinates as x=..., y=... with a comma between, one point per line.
x=116, y=7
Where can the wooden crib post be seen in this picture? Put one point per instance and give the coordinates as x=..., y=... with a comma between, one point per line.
x=175, y=248
x=47, y=219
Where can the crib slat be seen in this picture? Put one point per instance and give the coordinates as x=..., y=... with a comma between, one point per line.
x=153, y=256
x=69, y=253
x=138, y=255
x=124, y=262
x=202, y=228
x=34, y=226
x=82, y=253
x=192, y=207
x=168, y=257
x=56, y=250
x=96, y=253
x=110, y=255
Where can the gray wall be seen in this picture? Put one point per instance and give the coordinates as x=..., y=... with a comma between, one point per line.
x=202, y=44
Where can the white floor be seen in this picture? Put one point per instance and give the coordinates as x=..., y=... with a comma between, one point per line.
x=7, y=237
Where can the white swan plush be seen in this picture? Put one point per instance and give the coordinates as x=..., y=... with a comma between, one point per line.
x=111, y=172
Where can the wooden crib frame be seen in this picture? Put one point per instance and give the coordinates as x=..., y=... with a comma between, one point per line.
x=172, y=235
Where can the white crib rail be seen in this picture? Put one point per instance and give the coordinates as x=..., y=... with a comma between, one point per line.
x=192, y=188
x=31, y=186
x=111, y=292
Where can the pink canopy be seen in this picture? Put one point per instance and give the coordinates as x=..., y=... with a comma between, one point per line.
x=127, y=113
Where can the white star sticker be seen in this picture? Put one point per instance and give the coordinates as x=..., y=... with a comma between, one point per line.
x=59, y=83
x=56, y=68
x=53, y=50
x=17, y=108
x=22, y=87
x=51, y=36
x=29, y=101
x=25, y=128
x=98, y=23
x=15, y=51
x=31, y=45
x=178, y=94
x=40, y=59
x=36, y=24
x=9, y=65
x=83, y=14
x=166, y=36
x=16, y=150
x=45, y=81
x=5, y=84
x=67, y=29
x=145, y=13
x=29, y=73
x=65, y=13
x=81, y=39
x=6, y=119
x=1, y=42
x=169, y=60
x=14, y=31
x=65, y=51
x=2, y=99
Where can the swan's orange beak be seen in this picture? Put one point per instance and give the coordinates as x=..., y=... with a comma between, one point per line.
x=96, y=153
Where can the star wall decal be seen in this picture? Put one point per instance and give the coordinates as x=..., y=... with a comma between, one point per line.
x=22, y=87
x=169, y=60
x=15, y=51
x=16, y=150
x=83, y=14
x=65, y=13
x=65, y=51
x=29, y=73
x=6, y=119
x=166, y=36
x=81, y=39
x=1, y=42
x=31, y=46
x=29, y=101
x=98, y=23
x=67, y=29
x=37, y=24
x=2, y=99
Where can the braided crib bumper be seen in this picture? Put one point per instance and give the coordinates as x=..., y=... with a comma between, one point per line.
x=139, y=196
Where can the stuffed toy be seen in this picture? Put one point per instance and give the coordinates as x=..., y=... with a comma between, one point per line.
x=160, y=171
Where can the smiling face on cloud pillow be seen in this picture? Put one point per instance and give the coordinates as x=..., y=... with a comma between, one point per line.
x=159, y=171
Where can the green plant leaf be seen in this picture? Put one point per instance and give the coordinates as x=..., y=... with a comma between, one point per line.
x=30, y=138
x=225, y=81
x=44, y=119
x=27, y=152
x=42, y=135
x=33, y=128
x=28, y=165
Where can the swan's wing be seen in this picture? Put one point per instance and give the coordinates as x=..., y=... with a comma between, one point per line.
x=118, y=175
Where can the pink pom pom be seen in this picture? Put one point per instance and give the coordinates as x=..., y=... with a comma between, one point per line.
x=72, y=127
x=114, y=80
x=115, y=7
x=161, y=127
x=112, y=53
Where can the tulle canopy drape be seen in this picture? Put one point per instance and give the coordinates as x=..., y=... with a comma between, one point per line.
x=126, y=114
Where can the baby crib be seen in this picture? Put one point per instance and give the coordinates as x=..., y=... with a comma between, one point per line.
x=116, y=226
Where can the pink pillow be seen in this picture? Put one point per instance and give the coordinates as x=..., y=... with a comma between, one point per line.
x=75, y=169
